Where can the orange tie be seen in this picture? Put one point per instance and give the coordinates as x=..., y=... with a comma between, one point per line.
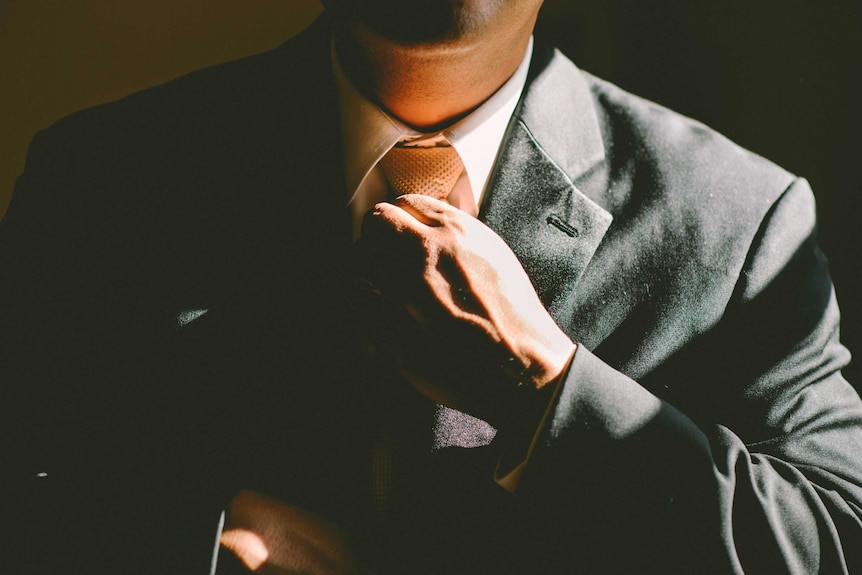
x=430, y=171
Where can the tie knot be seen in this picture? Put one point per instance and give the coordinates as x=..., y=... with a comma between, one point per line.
x=430, y=171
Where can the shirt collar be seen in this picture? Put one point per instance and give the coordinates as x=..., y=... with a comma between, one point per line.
x=369, y=132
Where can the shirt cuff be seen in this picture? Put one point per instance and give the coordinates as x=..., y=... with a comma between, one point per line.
x=519, y=448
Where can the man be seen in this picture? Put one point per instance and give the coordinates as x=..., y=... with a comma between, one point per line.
x=633, y=344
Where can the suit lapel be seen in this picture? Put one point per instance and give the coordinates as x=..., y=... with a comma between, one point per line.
x=532, y=202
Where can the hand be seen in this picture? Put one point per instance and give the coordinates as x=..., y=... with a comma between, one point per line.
x=472, y=329
x=273, y=538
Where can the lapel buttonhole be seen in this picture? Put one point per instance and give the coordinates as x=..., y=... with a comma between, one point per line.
x=562, y=225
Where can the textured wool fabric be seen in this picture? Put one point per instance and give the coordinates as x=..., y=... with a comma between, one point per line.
x=453, y=428
x=430, y=171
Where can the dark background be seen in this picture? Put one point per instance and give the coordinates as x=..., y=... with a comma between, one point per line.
x=780, y=77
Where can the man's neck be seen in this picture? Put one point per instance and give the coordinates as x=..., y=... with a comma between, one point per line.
x=429, y=87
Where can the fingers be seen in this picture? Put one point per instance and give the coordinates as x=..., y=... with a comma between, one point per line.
x=248, y=546
x=426, y=209
x=406, y=211
x=397, y=218
x=271, y=536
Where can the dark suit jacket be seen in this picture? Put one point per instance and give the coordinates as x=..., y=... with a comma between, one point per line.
x=177, y=322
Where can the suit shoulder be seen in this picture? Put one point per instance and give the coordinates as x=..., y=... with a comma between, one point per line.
x=185, y=149
x=688, y=156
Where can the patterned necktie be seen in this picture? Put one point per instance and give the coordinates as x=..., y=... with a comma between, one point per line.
x=431, y=171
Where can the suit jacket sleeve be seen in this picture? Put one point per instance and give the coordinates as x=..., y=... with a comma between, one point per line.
x=75, y=414
x=650, y=479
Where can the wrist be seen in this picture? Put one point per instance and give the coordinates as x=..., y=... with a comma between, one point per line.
x=533, y=390
x=523, y=434
x=542, y=364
